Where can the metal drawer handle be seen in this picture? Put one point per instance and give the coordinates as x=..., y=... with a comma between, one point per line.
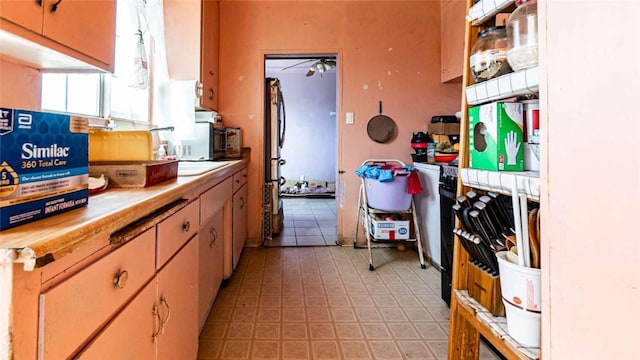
x=186, y=226
x=212, y=94
x=214, y=237
x=156, y=320
x=54, y=7
x=120, y=281
x=242, y=202
x=163, y=301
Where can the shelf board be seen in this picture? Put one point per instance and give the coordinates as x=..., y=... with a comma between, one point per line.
x=494, y=325
x=517, y=83
x=484, y=10
x=502, y=182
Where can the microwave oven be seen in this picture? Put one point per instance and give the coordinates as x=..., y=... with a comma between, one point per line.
x=210, y=143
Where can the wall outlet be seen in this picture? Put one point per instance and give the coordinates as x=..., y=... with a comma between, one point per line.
x=350, y=118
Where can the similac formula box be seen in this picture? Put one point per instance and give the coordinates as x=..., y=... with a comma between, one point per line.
x=496, y=137
x=44, y=163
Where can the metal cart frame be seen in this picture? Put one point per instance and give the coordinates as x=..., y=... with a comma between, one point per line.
x=363, y=205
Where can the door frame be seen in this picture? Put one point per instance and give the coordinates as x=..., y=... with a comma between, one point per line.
x=302, y=54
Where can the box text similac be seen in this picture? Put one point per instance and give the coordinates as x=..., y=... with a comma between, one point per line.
x=43, y=165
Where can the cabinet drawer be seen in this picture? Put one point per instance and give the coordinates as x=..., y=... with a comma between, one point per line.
x=77, y=307
x=239, y=179
x=212, y=200
x=175, y=230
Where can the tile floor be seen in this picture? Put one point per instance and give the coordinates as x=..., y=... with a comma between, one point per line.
x=323, y=303
x=307, y=222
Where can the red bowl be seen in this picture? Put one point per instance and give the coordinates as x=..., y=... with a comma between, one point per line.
x=445, y=158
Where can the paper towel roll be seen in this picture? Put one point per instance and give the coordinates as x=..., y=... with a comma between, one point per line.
x=178, y=100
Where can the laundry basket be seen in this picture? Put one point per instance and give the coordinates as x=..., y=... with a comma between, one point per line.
x=388, y=196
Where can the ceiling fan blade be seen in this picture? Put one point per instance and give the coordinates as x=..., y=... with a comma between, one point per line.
x=330, y=63
x=310, y=72
x=300, y=63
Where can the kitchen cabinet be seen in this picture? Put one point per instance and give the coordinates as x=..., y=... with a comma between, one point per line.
x=68, y=319
x=211, y=243
x=130, y=334
x=452, y=39
x=81, y=30
x=63, y=288
x=161, y=318
x=192, y=40
x=239, y=217
x=468, y=318
x=178, y=295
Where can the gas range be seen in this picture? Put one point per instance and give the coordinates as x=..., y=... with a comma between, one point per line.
x=449, y=177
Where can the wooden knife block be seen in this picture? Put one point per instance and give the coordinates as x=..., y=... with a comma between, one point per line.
x=485, y=288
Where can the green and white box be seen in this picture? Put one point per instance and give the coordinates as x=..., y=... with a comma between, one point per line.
x=495, y=137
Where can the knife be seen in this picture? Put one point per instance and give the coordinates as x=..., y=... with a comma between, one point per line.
x=502, y=209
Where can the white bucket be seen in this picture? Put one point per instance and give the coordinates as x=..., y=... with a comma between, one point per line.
x=520, y=288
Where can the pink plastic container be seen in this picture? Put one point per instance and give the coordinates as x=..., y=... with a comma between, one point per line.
x=388, y=196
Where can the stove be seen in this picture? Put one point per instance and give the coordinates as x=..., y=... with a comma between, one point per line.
x=448, y=184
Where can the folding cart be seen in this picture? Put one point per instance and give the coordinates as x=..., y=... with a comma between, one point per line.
x=398, y=203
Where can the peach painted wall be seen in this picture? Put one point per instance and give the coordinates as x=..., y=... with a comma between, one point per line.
x=591, y=247
x=19, y=86
x=387, y=50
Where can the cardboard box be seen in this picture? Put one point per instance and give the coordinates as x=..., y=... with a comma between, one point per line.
x=496, y=137
x=382, y=229
x=444, y=128
x=135, y=174
x=43, y=165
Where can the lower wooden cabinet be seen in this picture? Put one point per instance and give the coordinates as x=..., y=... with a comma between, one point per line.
x=210, y=259
x=130, y=334
x=178, y=296
x=160, y=322
x=239, y=223
x=74, y=309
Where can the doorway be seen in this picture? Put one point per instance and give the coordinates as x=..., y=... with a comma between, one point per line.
x=309, y=150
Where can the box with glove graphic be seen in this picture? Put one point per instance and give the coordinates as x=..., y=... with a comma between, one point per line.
x=495, y=137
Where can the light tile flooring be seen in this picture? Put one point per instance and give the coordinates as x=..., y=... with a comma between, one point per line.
x=324, y=303
x=307, y=222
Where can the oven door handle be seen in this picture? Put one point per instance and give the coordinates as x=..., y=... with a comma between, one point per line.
x=446, y=193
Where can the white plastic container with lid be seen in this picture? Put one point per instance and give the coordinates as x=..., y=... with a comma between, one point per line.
x=522, y=35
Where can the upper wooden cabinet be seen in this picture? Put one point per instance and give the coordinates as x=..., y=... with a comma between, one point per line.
x=53, y=34
x=192, y=36
x=452, y=39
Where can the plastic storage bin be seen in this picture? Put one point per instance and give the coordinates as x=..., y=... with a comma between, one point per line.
x=388, y=196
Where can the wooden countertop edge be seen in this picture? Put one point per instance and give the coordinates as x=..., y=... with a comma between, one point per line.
x=51, y=238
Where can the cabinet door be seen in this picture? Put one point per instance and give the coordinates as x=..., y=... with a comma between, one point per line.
x=86, y=26
x=182, y=19
x=27, y=14
x=210, y=51
x=239, y=223
x=210, y=264
x=77, y=307
x=178, y=296
x=452, y=39
x=130, y=334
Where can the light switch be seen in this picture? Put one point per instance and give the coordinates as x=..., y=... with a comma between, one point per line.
x=349, y=118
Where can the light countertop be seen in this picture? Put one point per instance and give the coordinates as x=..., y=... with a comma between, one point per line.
x=49, y=239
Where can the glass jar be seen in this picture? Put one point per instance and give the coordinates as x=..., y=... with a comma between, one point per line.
x=489, y=54
x=522, y=36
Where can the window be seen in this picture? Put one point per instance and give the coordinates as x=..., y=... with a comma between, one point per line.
x=115, y=95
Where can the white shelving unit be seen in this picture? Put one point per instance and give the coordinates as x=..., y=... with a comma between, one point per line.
x=469, y=319
x=485, y=9
x=528, y=182
x=517, y=83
